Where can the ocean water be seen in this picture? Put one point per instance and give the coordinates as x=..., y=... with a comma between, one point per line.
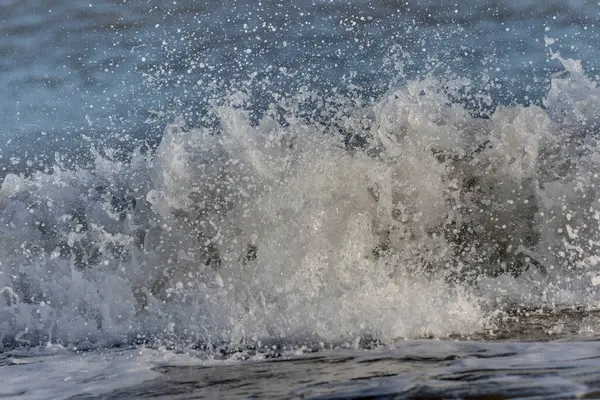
x=359, y=199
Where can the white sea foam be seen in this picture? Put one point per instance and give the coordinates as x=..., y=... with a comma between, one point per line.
x=65, y=375
x=279, y=231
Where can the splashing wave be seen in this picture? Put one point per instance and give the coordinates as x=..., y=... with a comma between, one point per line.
x=406, y=217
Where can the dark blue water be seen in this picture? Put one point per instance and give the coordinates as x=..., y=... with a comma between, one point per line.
x=117, y=72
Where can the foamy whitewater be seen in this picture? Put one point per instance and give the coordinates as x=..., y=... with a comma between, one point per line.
x=407, y=217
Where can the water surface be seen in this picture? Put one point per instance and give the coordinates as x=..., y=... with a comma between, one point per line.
x=310, y=200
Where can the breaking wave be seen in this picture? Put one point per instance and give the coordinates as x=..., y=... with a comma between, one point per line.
x=408, y=216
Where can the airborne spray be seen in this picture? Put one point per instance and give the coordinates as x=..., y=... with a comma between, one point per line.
x=282, y=229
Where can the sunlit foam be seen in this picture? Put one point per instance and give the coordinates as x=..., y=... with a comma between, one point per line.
x=272, y=230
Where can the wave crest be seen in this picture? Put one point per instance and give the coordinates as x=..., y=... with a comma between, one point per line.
x=407, y=217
